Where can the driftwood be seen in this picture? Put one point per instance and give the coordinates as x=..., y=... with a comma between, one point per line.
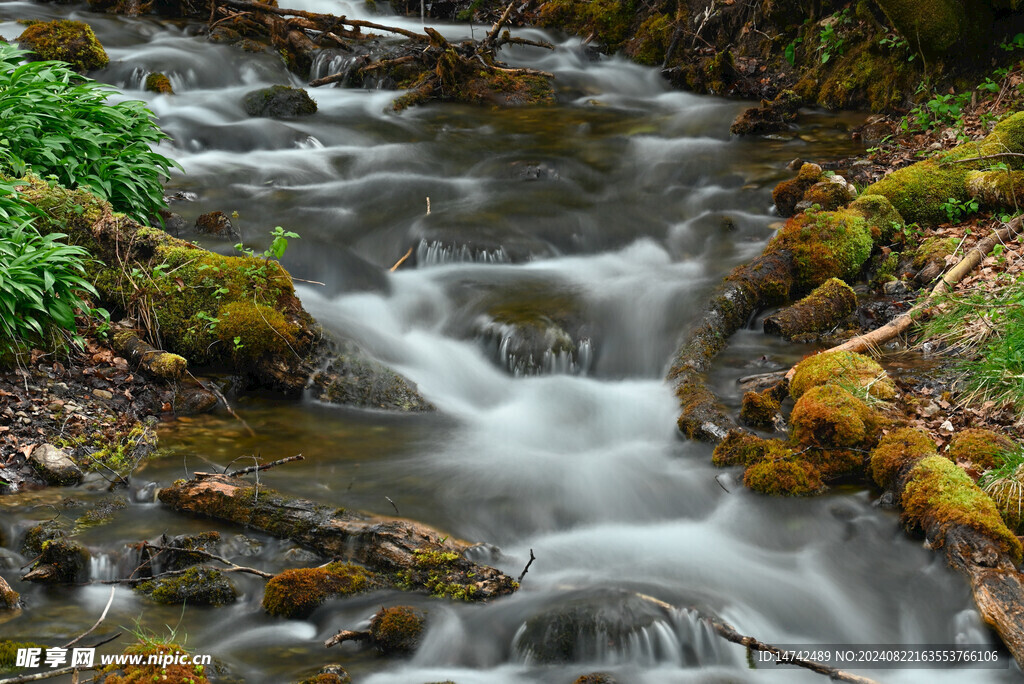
x=902, y=323
x=765, y=281
x=384, y=544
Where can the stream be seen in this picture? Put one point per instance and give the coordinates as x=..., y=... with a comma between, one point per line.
x=614, y=213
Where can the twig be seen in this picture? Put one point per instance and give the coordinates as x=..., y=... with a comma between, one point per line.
x=211, y=556
x=527, y=568
x=40, y=676
x=493, y=34
x=265, y=466
x=343, y=635
x=213, y=388
x=393, y=505
x=721, y=485
x=103, y=616
x=401, y=261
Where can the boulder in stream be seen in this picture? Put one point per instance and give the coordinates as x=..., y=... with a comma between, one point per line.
x=298, y=592
x=197, y=586
x=350, y=377
x=54, y=466
x=279, y=101
x=68, y=41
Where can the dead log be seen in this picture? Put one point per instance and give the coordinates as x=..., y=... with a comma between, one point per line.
x=152, y=361
x=425, y=557
x=822, y=310
x=765, y=281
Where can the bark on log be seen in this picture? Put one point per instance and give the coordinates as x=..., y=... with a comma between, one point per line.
x=765, y=281
x=822, y=310
x=383, y=544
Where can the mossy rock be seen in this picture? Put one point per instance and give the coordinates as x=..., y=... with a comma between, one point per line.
x=919, y=191
x=9, y=600
x=830, y=244
x=934, y=249
x=351, y=378
x=397, y=630
x=9, y=652
x=67, y=41
x=279, y=101
x=759, y=409
x=62, y=561
x=829, y=417
x=180, y=550
x=743, y=449
x=297, y=593
x=852, y=371
x=884, y=222
x=940, y=494
x=786, y=476
x=984, y=448
x=608, y=21
x=159, y=83
x=596, y=678
x=651, y=40
x=36, y=536
x=329, y=674
x=197, y=586
x=936, y=28
x=829, y=194
x=153, y=673
x=896, y=451
x=789, y=193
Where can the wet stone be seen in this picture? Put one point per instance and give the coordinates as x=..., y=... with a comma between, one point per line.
x=55, y=466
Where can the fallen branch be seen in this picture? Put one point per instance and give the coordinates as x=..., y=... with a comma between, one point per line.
x=40, y=676
x=211, y=556
x=89, y=631
x=315, y=16
x=383, y=544
x=902, y=323
x=527, y=568
x=401, y=261
x=345, y=635
x=265, y=466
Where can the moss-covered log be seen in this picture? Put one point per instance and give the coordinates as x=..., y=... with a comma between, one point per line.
x=941, y=500
x=159, y=364
x=421, y=556
x=822, y=310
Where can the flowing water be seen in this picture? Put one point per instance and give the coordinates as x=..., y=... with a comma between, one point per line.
x=614, y=213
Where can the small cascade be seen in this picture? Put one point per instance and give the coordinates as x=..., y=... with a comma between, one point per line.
x=435, y=253
x=102, y=567
x=330, y=62
x=525, y=350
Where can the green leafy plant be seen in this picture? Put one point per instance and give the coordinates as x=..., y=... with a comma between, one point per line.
x=956, y=209
x=831, y=41
x=41, y=278
x=897, y=43
x=57, y=123
x=938, y=111
x=1016, y=43
x=789, y=52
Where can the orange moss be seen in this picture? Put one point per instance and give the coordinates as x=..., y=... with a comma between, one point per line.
x=849, y=370
x=397, y=629
x=981, y=447
x=786, y=476
x=830, y=417
x=297, y=593
x=759, y=410
x=897, y=450
x=740, y=448
x=147, y=674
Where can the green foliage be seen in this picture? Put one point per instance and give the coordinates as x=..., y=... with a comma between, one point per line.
x=278, y=245
x=1016, y=43
x=790, y=50
x=57, y=122
x=41, y=277
x=897, y=43
x=831, y=41
x=955, y=209
x=938, y=111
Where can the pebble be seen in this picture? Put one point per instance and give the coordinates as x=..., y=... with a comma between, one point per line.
x=103, y=394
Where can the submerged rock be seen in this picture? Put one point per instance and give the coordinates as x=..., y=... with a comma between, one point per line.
x=350, y=377
x=279, y=101
x=197, y=586
x=771, y=117
x=159, y=83
x=61, y=561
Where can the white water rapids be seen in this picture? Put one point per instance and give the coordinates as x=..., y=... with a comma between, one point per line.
x=625, y=203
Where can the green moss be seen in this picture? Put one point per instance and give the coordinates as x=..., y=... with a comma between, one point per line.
x=297, y=593
x=827, y=195
x=120, y=450
x=69, y=559
x=940, y=495
x=159, y=83
x=738, y=448
x=9, y=652
x=196, y=586
x=651, y=40
x=896, y=451
x=168, y=366
x=102, y=514
x=934, y=249
x=824, y=245
x=440, y=573
x=938, y=27
x=997, y=189
x=759, y=410
x=830, y=417
x=866, y=76
x=154, y=673
x=918, y=191
x=35, y=537
x=853, y=372
x=883, y=220
x=983, y=448
x=786, y=476
x=68, y=41
x=608, y=21
x=397, y=630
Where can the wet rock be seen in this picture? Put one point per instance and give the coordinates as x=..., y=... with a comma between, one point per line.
x=789, y=193
x=829, y=194
x=216, y=223
x=876, y=129
x=193, y=401
x=596, y=678
x=352, y=378
x=55, y=467
x=771, y=117
x=279, y=101
x=9, y=599
x=35, y=537
x=532, y=171
x=397, y=630
x=224, y=35
x=895, y=288
x=173, y=223
x=61, y=561
x=196, y=586
x=159, y=83
x=329, y=674
x=68, y=41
